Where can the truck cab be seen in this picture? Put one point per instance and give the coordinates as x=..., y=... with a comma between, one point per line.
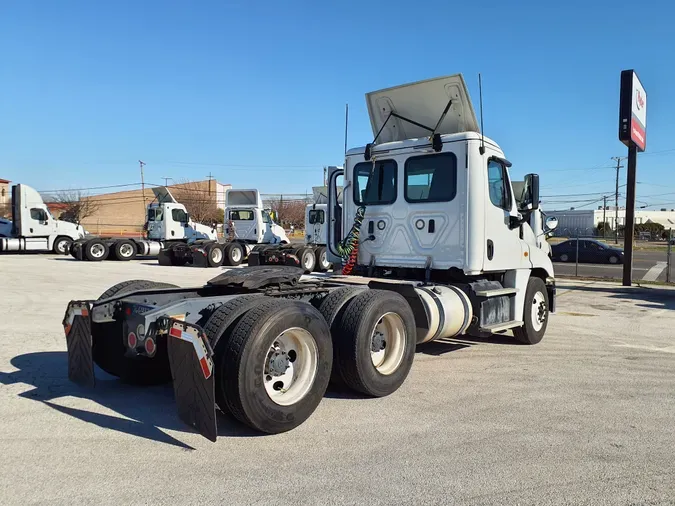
x=247, y=220
x=316, y=226
x=170, y=221
x=433, y=199
x=33, y=228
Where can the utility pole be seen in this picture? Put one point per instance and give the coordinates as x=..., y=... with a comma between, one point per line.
x=210, y=178
x=604, y=217
x=325, y=171
x=616, y=198
x=166, y=181
x=142, y=164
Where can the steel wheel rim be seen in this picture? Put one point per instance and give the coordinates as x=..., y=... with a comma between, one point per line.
x=126, y=250
x=324, y=260
x=291, y=365
x=307, y=262
x=236, y=254
x=539, y=311
x=217, y=255
x=388, y=343
x=61, y=246
x=97, y=250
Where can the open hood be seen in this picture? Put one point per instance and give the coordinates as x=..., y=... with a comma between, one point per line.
x=424, y=103
x=163, y=195
x=250, y=198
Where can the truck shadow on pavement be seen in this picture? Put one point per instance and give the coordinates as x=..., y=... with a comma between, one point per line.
x=143, y=411
x=646, y=297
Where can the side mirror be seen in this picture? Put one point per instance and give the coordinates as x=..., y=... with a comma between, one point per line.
x=531, y=200
x=551, y=223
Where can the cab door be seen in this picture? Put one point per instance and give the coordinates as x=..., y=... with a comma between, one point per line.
x=504, y=249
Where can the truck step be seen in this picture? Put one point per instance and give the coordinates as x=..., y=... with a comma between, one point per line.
x=498, y=327
x=496, y=292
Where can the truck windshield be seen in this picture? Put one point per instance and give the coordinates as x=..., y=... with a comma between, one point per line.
x=375, y=183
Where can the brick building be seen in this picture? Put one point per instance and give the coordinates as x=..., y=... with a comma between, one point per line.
x=123, y=213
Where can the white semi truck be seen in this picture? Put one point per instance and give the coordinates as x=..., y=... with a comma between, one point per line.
x=434, y=243
x=311, y=255
x=167, y=223
x=33, y=228
x=247, y=226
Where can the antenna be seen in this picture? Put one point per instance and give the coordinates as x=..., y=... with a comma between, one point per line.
x=482, y=130
x=346, y=124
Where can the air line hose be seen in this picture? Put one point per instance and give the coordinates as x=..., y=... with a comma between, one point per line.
x=349, y=247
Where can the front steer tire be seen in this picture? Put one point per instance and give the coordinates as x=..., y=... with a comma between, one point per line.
x=354, y=335
x=245, y=356
x=109, y=351
x=535, y=295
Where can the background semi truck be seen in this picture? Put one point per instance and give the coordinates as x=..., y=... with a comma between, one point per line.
x=434, y=241
x=33, y=228
x=247, y=225
x=167, y=222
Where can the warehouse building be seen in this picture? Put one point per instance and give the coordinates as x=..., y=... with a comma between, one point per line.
x=572, y=222
x=123, y=213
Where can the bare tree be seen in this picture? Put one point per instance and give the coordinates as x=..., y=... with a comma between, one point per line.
x=6, y=210
x=289, y=212
x=198, y=200
x=76, y=205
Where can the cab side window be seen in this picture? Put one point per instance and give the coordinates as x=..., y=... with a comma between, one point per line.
x=498, y=185
x=179, y=215
x=38, y=214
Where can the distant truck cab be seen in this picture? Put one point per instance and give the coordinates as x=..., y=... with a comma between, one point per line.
x=33, y=228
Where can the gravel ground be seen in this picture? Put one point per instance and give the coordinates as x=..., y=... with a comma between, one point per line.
x=585, y=417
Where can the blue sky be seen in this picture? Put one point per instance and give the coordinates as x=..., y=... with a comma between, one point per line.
x=254, y=93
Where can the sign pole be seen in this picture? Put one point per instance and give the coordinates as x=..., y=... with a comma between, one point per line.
x=629, y=227
x=633, y=133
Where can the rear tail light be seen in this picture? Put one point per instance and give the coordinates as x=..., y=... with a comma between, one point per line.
x=150, y=347
x=132, y=340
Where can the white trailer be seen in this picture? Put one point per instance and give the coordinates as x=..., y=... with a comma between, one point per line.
x=434, y=242
x=167, y=223
x=33, y=228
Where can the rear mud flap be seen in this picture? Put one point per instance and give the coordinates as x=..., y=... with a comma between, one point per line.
x=77, y=250
x=199, y=257
x=77, y=327
x=164, y=257
x=190, y=356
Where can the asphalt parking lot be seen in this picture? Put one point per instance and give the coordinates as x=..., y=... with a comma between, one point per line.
x=585, y=417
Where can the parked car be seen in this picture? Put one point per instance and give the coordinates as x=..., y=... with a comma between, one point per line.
x=590, y=251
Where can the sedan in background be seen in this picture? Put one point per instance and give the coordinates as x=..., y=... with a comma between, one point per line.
x=590, y=251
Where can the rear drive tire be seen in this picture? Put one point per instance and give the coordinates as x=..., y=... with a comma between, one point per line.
x=234, y=254
x=307, y=259
x=125, y=250
x=322, y=263
x=96, y=250
x=269, y=390
x=109, y=351
x=332, y=308
x=218, y=330
x=376, y=339
x=214, y=255
x=62, y=245
x=535, y=313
